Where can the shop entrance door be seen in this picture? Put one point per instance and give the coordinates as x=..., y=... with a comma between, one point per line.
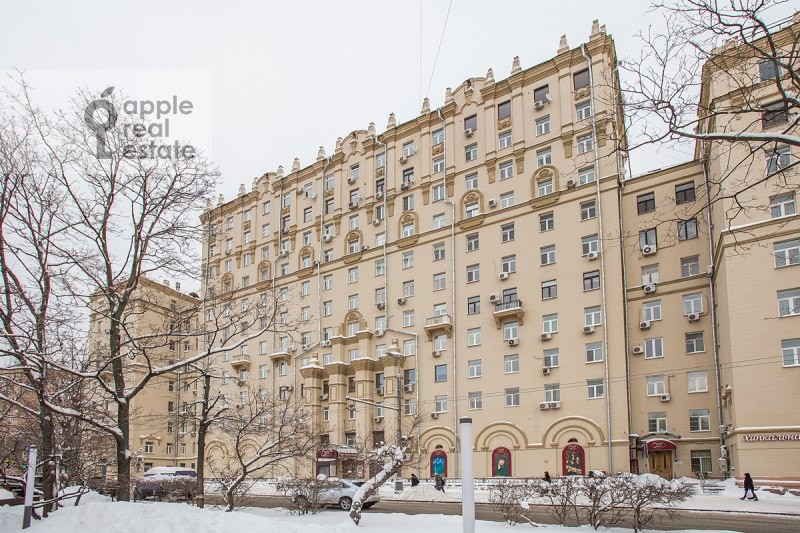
x=661, y=464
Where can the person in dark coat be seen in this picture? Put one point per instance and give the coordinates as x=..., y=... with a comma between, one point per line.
x=547, y=477
x=439, y=483
x=414, y=480
x=749, y=486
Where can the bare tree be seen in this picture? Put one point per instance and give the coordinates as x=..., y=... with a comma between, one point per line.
x=507, y=497
x=265, y=431
x=647, y=497
x=561, y=496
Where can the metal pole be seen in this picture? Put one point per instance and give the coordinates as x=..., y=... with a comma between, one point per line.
x=398, y=482
x=30, y=482
x=467, y=476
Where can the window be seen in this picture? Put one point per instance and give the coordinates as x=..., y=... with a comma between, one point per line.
x=687, y=229
x=594, y=388
x=473, y=273
x=380, y=296
x=544, y=187
x=439, y=221
x=692, y=303
x=592, y=316
x=699, y=420
x=591, y=280
x=583, y=110
x=585, y=143
x=380, y=239
x=471, y=153
x=656, y=386
x=546, y=222
x=701, y=461
x=778, y=159
x=684, y=193
x=327, y=255
x=471, y=181
x=512, y=397
x=407, y=230
x=352, y=302
x=327, y=308
x=645, y=203
x=790, y=350
x=544, y=157
x=594, y=352
x=511, y=364
x=507, y=199
x=698, y=381
x=265, y=208
x=695, y=342
x=380, y=212
x=380, y=267
x=581, y=79
x=473, y=242
x=507, y=232
x=439, y=281
x=648, y=237
x=474, y=368
x=789, y=302
x=653, y=348
x=506, y=170
x=508, y=264
x=552, y=392
x=768, y=70
x=408, y=319
x=440, y=404
x=511, y=330
x=589, y=244
x=786, y=253
x=547, y=255
x=657, y=422
x=551, y=358
x=505, y=140
x=549, y=289
x=149, y=447
x=550, y=323
x=408, y=259
x=473, y=337
x=438, y=165
x=352, y=275
x=504, y=110
x=782, y=205
x=773, y=115
x=541, y=94
x=690, y=266
x=437, y=192
x=472, y=210
x=410, y=407
x=408, y=288
x=588, y=210
x=330, y=205
x=473, y=305
x=651, y=311
x=475, y=400
x=650, y=274
x=543, y=125
x=440, y=373
x=437, y=137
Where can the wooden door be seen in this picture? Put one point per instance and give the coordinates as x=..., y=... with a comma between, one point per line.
x=661, y=464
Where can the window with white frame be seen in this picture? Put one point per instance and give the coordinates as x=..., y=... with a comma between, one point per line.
x=352, y=275
x=510, y=330
x=380, y=267
x=549, y=289
x=583, y=110
x=437, y=192
x=475, y=401
x=587, y=175
x=408, y=259
x=511, y=364
x=474, y=368
x=591, y=280
x=695, y=342
x=438, y=165
x=657, y=422
x=506, y=199
x=594, y=352
x=263, y=371
x=473, y=337
x=473, y=242
x=550, y=323
x=699, y=420
x=440, y=404
x=544, y=187
x=790, y=351
x=698, y=381
x=594, y=388
x=778, y=159
x=789, y=302
x=410, y=407
x=380, y=239
x=439, y=373
x=648, y=237
x=508, y=264
x=439, y=281
x=408, y=202
x=471, y=181
x=507, y=232
x=543, y=125
x=440, y=342
x=687, y=229
x=650, y=274
x=547, y=255
x=546, y=222
x=408, y=229
x=589, y=244
x=506, y=169
x=408, y=318
x=592, y=316
x=505, y=140
x=552, y=392
x=782, y=205
x=473, y=273
x=471, y=153
x=512, y=397
x=439, y=221
x=692, y=303
x=656, y=386
x=544, y=157
x=585, y=143
x=651, y=310
x=787, y=253
x=653, y=348
x=327, y=308
x=551, y=358
x=438, y=251
x=472, y=210
x=327, y=282
x=588, y=210
x=690, y=266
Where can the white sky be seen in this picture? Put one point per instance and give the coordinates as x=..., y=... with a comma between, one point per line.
x=271, y=81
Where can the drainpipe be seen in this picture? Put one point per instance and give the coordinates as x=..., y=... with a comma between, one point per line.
x=385, y=230
x=712, y=304
x=452, y=292
x=319, y=257
x=587, y=57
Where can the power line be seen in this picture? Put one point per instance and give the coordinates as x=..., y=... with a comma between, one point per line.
x=439, y=49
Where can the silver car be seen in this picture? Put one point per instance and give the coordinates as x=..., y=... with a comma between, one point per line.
x=340, y=495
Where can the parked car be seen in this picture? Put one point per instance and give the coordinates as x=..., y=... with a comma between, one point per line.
x=167, y=481
x=340, y=495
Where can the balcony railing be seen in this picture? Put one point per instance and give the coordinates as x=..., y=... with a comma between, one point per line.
x=438, y=320
x=434, y=324
x=508, y=305
x=508, y=309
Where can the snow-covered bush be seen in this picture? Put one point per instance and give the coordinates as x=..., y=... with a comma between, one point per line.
x=508, y=497
x=305, y=494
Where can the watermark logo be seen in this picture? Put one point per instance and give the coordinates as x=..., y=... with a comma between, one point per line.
x=145, y=135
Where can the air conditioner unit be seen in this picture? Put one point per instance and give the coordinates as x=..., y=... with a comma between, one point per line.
x=140, y=459
x=323, y=397
x=434, y=415
x=327, y=237
x=546, y=336
x=401, y=301
x=404, y=186
x=513, y=342
x=571, y=183
x=494, y=297
x=325, y=343
x=408, y=387
x=665, y=397
x=544, y=405
x=468, y=132
x=304, y=347
x=645, y=324
x=403, y=159
x=588, y=330
x=228, y=251
x=379, y=391
x=377, y=419
x=436, y=353
x=381, y=305
x=649, y=249
x=538, y=105
x=638, y=350
x=492, y=202
x=650, y=288
x=554, y=405
x=379, y=195
x=283, y=253
x=353, y=205
x=693, y=317
x=591, y=256
x=292, y=348
x=376, y=222
x=548, y=97
x=380, y=332
x=503, y=276
x=545, y=370
x=364, y=247
x=311, y=195
x=352, y=179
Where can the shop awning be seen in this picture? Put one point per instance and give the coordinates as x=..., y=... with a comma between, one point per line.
x=660, y=445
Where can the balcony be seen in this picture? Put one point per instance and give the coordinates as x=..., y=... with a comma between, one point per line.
x=506, y=310
x=240, y=360
x=280, y=356
x=438, y=324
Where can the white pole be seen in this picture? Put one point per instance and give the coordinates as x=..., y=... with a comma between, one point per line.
x=30, y=482
x=467, y=476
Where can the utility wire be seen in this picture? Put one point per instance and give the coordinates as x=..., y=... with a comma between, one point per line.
x=439, y=49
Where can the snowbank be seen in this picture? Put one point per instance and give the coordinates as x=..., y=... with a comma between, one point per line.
x=6, y=494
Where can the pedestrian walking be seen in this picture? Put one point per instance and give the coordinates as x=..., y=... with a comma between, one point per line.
x=547, y=476
x=749, y=487
x=439, y=483
x=414, y=480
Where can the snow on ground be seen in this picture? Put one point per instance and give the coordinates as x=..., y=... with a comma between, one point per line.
x=6, y=494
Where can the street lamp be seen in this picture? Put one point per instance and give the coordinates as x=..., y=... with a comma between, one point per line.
x=394, y=352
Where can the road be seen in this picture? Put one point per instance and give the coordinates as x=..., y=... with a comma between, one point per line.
x=744, y=522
